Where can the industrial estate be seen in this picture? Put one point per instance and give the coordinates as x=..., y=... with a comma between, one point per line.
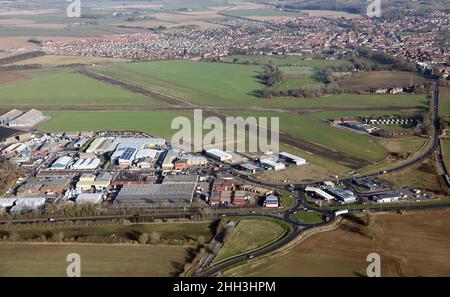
x=86, y=121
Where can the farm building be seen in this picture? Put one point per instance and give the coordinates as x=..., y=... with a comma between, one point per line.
x=345, y=196
x=28, y=119
x=9, y=116
x=271, y=201
x=86, y=164
x=292, y=159
x=219, y=155
x=61, y=163
x=269, y=164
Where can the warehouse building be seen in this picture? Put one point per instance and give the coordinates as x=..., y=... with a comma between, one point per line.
x=28, y=119
x=7, y=202
x=292, y=159
x=387, y=198
x=62, y=163
x=345, y=196
x=219, y=155
x=169, y=158
x=269, y=164
x=9, y=116
x=91, y=181
x=28, y=204
x=156, y=195
x=94, y=198
x=86, y=164
x=175, y=191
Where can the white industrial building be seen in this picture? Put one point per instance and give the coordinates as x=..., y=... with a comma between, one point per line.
x=28, y=119
x=219, y=155
x=7, y=202
x=292, y=159
x=345, y=196
x=89, y=198
x=9, y=116
x=387, y=198
x=269, y=164
x=86, y=164
x=26, y=204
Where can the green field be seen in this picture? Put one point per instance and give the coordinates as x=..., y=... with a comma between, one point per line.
x=446, y=152
x=308, y=217
x=153, y=123
x=38, y=260
x=131, y=231
x=444, y=102
x=287, y=61
x=220, y=84
x=250, y=234
x=70, y=90
x=348, y=142
x=380, y=79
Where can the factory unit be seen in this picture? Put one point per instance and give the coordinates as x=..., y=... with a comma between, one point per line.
x=27, y=204
x=28, y=119
x=272, y=165
x=91, y=181
x=345, y=196
x=7, y=202
x=219, y=155
x=14, y=149
x=292, y=159
x=61, y=163
x=251, y=168
x=10, y=115
x=189, y=162
x=86, y=164
x=169, y=158
x=175, y=191
x=387, y=198
x=94, y=198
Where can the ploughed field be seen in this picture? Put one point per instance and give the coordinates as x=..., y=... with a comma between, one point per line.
x=411, y=244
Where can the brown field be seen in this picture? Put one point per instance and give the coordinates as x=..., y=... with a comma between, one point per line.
x=46, y=259
x=13, y=22
x=296, y=174
x=11, y=77
x=422, y=176
x=53, y=61
x=331, y=14
x=378, y=79
x=21, y=41
x=411, y=244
